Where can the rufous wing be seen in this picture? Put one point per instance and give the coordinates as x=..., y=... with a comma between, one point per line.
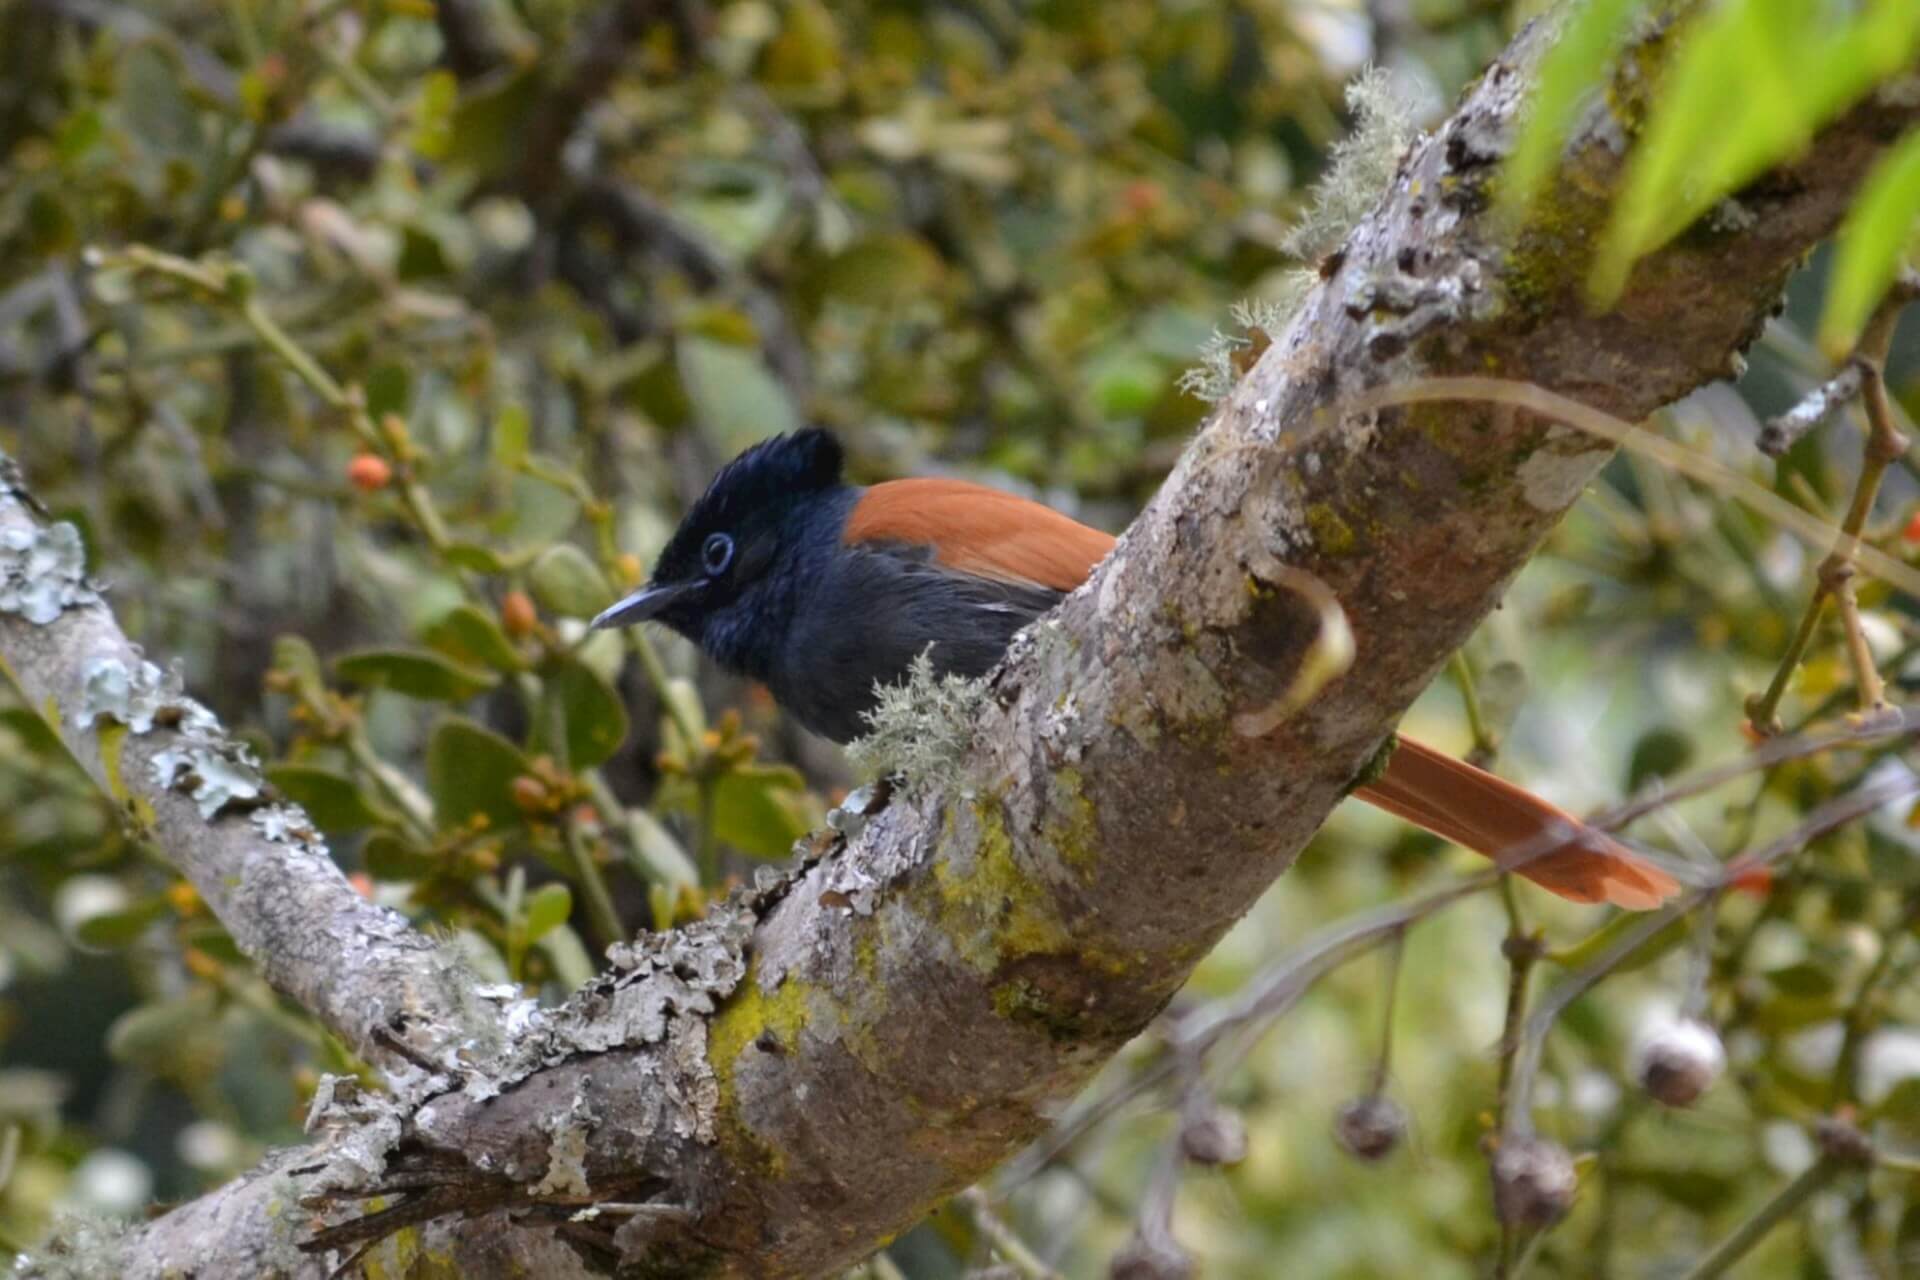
x=1514, y=827
x=974, y=529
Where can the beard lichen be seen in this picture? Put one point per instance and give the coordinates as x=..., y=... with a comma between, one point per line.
x=922, y=731
x=1359, y=169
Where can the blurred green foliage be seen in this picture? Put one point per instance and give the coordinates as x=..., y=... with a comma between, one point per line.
x=375, y=345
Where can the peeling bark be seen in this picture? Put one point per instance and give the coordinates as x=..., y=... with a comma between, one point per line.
x=778, y=1091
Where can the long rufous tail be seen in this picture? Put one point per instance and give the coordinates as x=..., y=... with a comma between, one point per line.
x=1550, y=847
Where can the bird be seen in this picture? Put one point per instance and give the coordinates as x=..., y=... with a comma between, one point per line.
x=826, y=591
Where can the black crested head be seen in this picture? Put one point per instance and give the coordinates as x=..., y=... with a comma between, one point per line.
x=725, y=579
x=767, y=476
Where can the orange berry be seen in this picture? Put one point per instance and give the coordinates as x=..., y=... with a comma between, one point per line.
x=530, y=794
x=517, y=614
x=1141, y=196
x=1912, y=532
x=1756, y=881
x=628, y=566
x=362, y=884
x=369, y=472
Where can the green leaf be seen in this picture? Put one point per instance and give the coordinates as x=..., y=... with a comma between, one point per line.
x=1580, y=56
x=153, y=102
x=294, y=656
x=470, y=770
x=330, y=798
x=761, y=809
x=737, y=400
x=470, y=635
x=475, y=557
x=511, y=432
x=388, y=855
x=156, y=1033
x=547, y=909
x=1603, y=939
x=116, y=929
x=1661, y=752
x=655, y=854
x=489, y=125
x=568, y=583
x=433, y=114
x=595, y=717
x=1878, y=234
x=1802, y=981
x=388, y=390
x=885, y=270
x=32, y=731
x=418, y=673
x=1747, y=88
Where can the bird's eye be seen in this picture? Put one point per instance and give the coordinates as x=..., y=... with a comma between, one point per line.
x=716, y=554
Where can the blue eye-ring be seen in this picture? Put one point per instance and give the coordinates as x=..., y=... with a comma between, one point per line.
x=716, y=554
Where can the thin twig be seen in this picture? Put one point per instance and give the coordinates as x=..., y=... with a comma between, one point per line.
x=1004, y=1239
x=1765, y=1219
x=1835, y=577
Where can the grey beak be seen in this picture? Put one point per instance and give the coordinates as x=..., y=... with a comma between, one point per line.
x=646, y=603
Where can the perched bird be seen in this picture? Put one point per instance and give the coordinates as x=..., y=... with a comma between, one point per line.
x=825, y=591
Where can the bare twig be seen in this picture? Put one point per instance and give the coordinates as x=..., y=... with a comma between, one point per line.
x=1781, y=433
x=1835, y=578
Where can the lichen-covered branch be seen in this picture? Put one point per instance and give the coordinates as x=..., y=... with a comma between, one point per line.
x=780, y=1090
x=195, y=793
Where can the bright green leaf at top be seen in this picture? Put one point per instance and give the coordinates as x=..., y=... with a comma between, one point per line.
x=1882, y=231
x=737, y=400
x=1747, y=88
x=470, y=770
x=1576, y=63
x=418, y=673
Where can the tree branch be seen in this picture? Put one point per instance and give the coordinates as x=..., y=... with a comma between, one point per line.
x=175, y=774
x=775, y=1091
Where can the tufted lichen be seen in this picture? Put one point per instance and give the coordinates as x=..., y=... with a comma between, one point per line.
x=922, y=731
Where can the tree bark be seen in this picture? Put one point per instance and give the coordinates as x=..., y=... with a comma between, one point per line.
x=780, y=1089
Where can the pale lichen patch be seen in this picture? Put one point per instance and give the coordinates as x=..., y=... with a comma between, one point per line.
x=43, y=572
x=568, y=1132
x=1550, y=481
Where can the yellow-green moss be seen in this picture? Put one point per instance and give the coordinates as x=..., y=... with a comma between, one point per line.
x=400, y=1257
x=1331, y=533
x=993, y=909
x=1075, y=836
x=748, y=1015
